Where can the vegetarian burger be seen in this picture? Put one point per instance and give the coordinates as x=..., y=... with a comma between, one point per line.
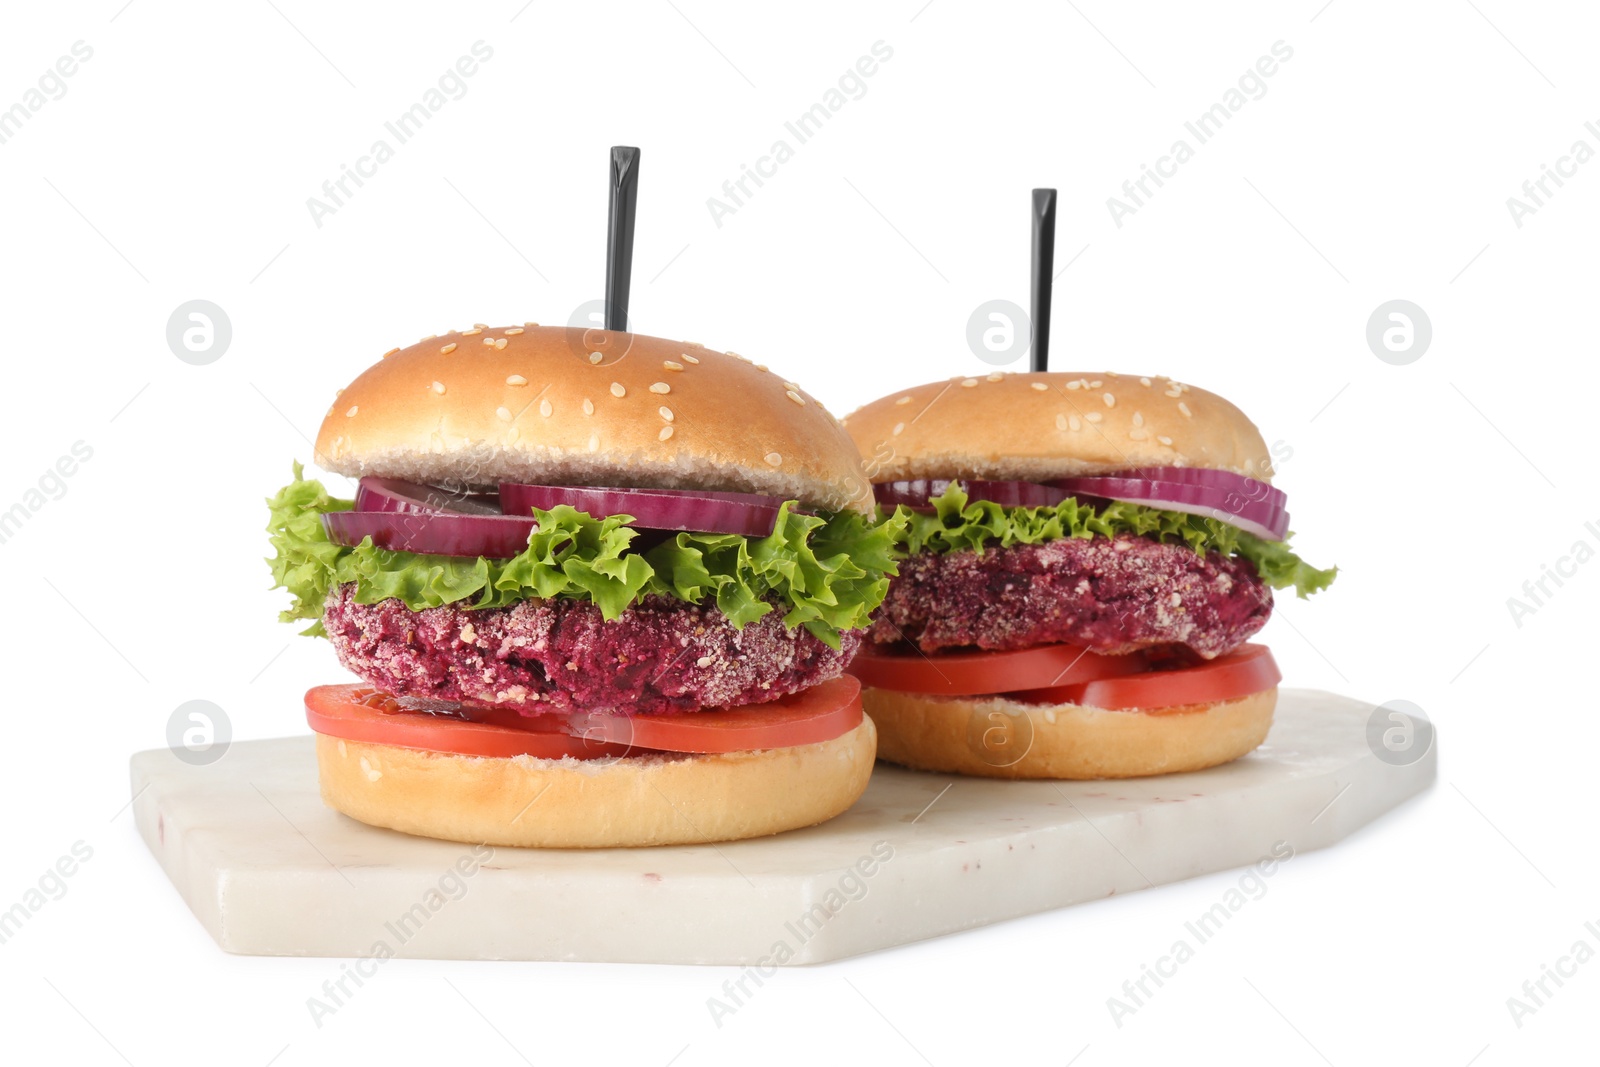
x=1087, y=557
x=600, y=590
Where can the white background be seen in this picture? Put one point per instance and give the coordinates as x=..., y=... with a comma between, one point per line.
x=1377, y=166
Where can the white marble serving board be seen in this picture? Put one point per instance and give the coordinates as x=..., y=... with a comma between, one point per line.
x=270, y=871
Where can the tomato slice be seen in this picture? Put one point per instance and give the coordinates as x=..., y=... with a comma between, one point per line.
x=361, y=713
x=977, y=673
x=1247, y=670
x=821, y=713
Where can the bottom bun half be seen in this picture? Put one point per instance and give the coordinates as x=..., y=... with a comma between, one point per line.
x=664, y=799
x=998, y=738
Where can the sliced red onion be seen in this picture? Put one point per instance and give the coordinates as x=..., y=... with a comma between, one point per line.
x=916, y=492
x=1262, y=518
x=700, y=511
x=394, y=496
x=435, y=533
x=1243, y=484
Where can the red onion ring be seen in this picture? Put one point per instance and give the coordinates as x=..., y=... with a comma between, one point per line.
x=1262, y=518
x=1248, y=503
x=1244, y=484
x=700, y=511
x=397, y=497
x=436, y=533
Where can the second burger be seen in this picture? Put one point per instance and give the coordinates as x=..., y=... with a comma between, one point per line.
x=1087, y=556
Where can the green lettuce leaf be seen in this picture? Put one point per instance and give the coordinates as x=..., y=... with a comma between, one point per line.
x=957, y=523
x=826, y=573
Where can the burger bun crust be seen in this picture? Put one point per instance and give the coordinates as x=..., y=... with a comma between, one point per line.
x=566, y=406
x=1040, y=426
x=628, y=802
x=993, y=737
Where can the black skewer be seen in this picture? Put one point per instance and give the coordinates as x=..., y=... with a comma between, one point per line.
x=619, y=234
x=1044, y=258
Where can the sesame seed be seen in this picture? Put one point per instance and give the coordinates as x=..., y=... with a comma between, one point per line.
x=480, y=325
x=504, y=413
x=737, y=356
x=617, y=390
x=438, y=387
x=1165, y=440
x=667, y=363
x=660, y=387
x=1144, y=382
x=996, y=376
x=666, y=432
x=1075, y=423
x=488, y=341
x=516, y=379
x=969, y=383
x=530, y=324
x=791, y=385
x=1072, y=385
x=469, y=333
x=1093, y=416
x=1040, y=386
x=447, y=349
x=501, y=343
x=1185, y=409
x=762, y=366
x=666, y=413
x=352, y=412
x=1110, y=400
x=1061, y=422
x=904, y=400
x=703, y=661
x=1138, y=419
x=1174, y=392
x=389, y=353
x=899, y=428
x=796, y=397
x=774, y=459
x=687, y=358
x=513, y=331
x=1138, y=435
x=588, y=406
x=544, y=408
x=595, y=357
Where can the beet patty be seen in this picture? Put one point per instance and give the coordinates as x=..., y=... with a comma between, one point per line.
x=560, y=655
x=1112, y=595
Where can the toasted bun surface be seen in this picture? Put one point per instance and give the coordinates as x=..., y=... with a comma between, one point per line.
x=533, y=405
x=1039, y=426
x=997, y=738
x=621, y=803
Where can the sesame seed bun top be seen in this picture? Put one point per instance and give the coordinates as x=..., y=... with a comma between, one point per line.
x=1055, y=424
x=567, y=406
